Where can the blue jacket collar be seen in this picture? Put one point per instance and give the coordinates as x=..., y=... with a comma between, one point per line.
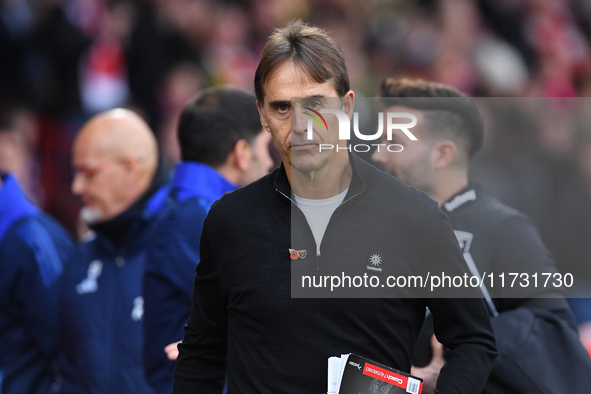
x=129, y=227
x=192, y=179
x=13, y=204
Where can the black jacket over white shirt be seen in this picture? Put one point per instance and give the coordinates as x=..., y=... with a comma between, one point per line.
x=245, y=323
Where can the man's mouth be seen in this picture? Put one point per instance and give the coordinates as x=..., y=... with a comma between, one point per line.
x=303, y=146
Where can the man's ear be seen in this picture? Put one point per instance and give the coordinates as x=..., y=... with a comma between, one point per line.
x=443, y=154
x=263, y=117
x=242, y=155
x=349, y=103
x=131, y=164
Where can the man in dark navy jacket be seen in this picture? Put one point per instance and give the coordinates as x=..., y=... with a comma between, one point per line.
x=33, y=250
x=223, y=145
x=115, y=160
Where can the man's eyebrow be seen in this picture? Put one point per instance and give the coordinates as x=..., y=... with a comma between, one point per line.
x=315, y=96
x=277, y=103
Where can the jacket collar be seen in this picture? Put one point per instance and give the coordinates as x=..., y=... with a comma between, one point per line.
x=466, y=196
x=192, y=179
x=362, y=176
x=14, y=205
x=128, y=226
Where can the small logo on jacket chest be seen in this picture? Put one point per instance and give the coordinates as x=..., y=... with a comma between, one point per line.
x=138, y=309
x=297, y=254
x=90, y=284
x=374, y=262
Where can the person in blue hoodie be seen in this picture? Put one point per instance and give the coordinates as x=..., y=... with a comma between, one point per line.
x=223, y=146
x=116, y=174
x=33, y=250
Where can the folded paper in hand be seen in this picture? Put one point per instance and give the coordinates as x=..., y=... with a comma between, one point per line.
x=352, y=374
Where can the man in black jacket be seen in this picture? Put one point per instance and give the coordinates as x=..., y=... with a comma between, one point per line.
x=260, y=242
x=499, y=244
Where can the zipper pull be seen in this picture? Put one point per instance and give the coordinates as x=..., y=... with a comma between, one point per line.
x=317, y=258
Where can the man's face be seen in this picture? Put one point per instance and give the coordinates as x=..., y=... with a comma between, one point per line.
x=413, y=164
x=99, y=180
x=287, y=122
x=260, y=160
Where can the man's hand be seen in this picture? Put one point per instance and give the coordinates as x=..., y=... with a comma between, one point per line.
x=172, y=351
x=585, y=335
x=430, y=373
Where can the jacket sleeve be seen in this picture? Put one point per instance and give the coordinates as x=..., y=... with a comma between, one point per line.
x=171, y=259
x=461, y=324
x=517, y=247
x=201, y=365
x=32, y=255
x=35, y=255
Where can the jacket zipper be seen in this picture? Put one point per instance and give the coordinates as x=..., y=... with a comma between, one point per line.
x=318, y=254
x=317, y=258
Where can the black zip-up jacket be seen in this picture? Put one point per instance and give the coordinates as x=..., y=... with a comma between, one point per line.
x=538, y=345
x=498, y=242
x=245, y=323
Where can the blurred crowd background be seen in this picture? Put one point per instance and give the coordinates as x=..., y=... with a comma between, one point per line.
x=62, y=61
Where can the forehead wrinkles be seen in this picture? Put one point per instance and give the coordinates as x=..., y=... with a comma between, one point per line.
x=291, y=78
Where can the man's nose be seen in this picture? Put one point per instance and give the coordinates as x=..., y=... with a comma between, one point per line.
x=378, y=156
x=77, y=186
x=299, y=122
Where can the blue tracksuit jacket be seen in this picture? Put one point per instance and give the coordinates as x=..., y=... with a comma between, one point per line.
x=33, y=248
x=102, y=306
x=170, y=268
